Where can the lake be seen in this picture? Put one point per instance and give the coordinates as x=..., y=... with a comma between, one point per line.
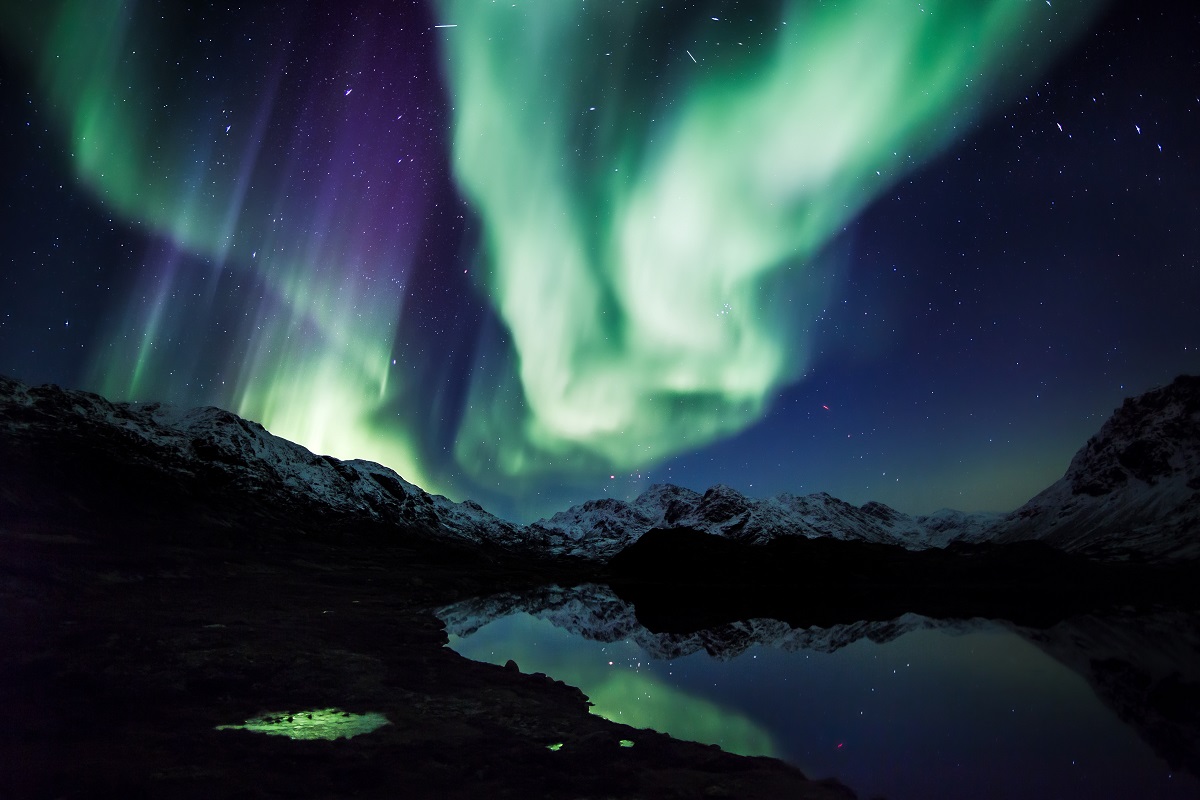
x=904, y=708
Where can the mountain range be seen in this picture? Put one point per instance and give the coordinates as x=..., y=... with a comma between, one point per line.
x=1132, y=491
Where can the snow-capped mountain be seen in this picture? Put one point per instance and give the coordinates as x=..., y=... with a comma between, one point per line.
x=605, y=527
x=215, y=449
x=201, y=450
x=1135, y=485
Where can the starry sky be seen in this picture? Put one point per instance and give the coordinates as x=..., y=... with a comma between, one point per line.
x=543, y=251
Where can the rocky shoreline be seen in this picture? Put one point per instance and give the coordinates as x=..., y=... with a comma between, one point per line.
x=123, y=657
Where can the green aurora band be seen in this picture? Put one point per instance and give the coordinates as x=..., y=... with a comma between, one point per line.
x=181, y=154
x=657, y=187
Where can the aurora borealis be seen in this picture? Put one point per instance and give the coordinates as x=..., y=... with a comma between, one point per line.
x=535, y=252
x=657, y=259
x=282, y=205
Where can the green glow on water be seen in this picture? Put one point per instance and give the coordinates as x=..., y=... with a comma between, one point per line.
x=640, y=700
x=326, y=723
x=617, y=688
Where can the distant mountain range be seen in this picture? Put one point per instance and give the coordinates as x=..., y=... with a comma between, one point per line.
x=602, y=528
x=73, y=458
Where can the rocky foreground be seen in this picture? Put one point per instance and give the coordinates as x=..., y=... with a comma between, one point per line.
x=122, y=657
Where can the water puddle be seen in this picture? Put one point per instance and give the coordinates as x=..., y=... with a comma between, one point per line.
x=324, y=723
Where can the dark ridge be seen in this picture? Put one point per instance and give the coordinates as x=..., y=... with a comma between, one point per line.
x=681, y=580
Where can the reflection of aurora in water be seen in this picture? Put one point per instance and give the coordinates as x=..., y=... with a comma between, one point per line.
x=973, y=710
x=655, y=190
x=618, y=680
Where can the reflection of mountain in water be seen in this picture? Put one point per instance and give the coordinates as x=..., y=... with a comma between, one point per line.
x=595, y=612
x=1144, y=666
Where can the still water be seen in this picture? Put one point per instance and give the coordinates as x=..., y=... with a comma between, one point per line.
x=907, y=708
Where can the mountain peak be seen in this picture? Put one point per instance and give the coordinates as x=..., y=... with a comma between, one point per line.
x=1135, y=485
x=1149, y=437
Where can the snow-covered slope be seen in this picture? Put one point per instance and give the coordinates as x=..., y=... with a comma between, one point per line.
x=604, y=527
x=210, y=446
x=1135, y=485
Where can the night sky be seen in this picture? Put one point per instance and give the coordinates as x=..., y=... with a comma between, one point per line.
x=537, y=252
